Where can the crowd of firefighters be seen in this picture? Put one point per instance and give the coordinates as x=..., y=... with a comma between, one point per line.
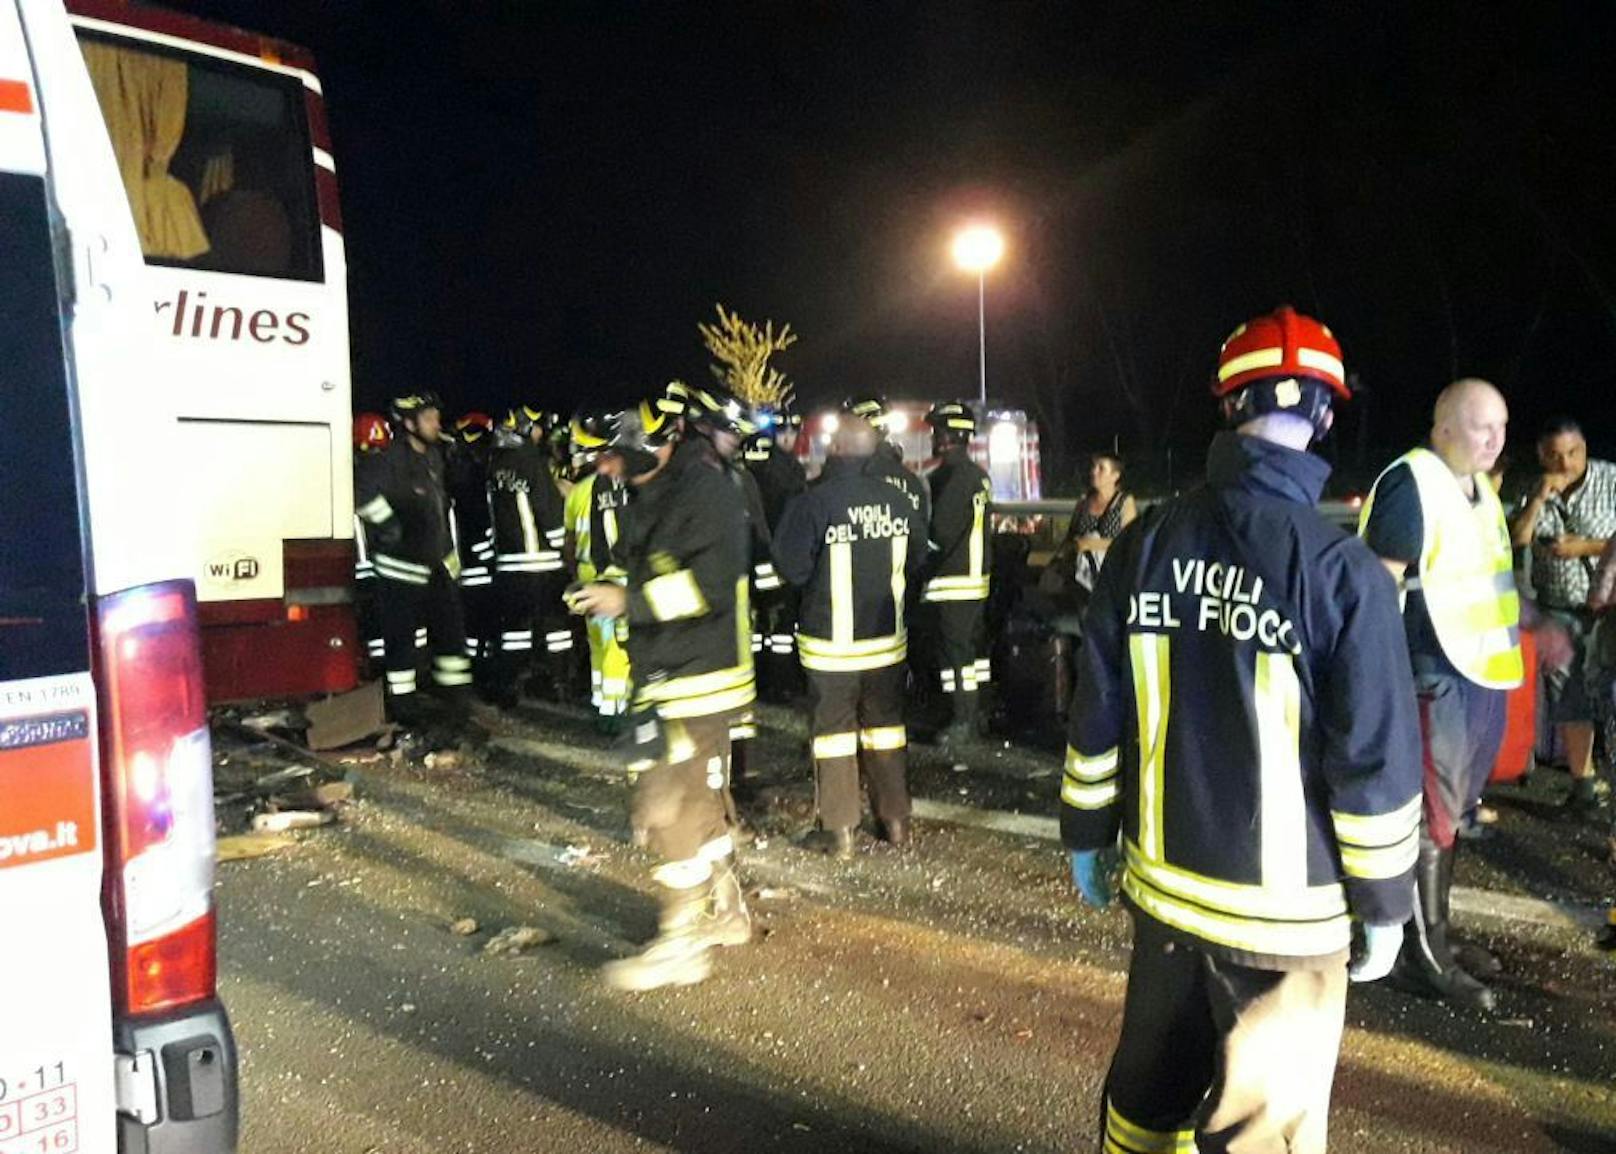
x=1278, y=731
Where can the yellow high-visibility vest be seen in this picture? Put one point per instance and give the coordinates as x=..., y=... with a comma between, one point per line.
x=1466, y=572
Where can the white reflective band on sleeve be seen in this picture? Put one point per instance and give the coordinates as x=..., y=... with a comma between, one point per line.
x=1089, y=796
x=376, y=510
x=1091, y=769
x=674, y=596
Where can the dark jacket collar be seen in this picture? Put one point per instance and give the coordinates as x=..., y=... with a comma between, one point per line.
x=845, y=466
x=1253, y=465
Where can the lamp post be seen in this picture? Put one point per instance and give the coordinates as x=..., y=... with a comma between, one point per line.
x=978, y=248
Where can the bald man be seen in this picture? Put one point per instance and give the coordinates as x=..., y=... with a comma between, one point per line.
x=1437, y=524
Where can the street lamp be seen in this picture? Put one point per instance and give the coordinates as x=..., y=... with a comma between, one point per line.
x=977, y=249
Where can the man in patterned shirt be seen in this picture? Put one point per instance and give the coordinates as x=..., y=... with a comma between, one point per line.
x=1566, y=522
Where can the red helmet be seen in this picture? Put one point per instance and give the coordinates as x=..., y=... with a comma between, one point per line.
x=473, y=427
x=1282, y=345
x=370, y=433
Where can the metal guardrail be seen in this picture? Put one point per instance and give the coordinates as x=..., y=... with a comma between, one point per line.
x=1343, y=513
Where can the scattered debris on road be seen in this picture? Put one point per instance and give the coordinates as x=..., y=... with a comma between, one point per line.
x=515, y=940
x=289, y=819
x=244, y=846
x=464, y=927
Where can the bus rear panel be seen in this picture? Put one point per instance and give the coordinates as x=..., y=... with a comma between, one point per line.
x=222, y=142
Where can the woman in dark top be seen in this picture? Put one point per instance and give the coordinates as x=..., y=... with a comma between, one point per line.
x=1102, y=514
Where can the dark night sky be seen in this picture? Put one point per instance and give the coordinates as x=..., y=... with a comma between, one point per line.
x=542, y=199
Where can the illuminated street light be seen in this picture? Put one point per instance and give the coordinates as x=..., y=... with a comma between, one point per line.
x=977, y=249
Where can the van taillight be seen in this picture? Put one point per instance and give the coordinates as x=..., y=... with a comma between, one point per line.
x=157, y=763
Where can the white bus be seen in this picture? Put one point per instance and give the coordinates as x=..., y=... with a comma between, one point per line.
x=221, y=138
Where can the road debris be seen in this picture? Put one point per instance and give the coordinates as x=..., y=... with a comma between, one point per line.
x=288, y=819
x=464, y=927
x=515, y=940
x=244, y=846
x=579, y=855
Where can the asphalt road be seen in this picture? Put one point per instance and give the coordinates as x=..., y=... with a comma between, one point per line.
x=954, y=997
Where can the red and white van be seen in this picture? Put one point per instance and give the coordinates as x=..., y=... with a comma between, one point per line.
x=112, y=1037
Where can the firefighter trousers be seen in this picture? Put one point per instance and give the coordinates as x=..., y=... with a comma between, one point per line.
x=482, y=616
x=1461, y=728
x=1236, y=1059
x=676, y=807
x=534, y=629
x=368, y=618
x=405, y=607
x=858, y=726
x=962, y=666
x=779, y=674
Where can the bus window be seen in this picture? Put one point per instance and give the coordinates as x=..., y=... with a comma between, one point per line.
x=215, y=159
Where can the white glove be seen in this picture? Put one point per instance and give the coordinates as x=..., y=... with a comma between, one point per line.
x=1382, y=944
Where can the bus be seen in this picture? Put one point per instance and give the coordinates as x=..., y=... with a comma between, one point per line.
x=221, y=140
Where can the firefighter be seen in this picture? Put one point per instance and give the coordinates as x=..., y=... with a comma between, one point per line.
x=405, y=506
x=528, y=574
x=770, y=457
x=1245, y=718
x=957, y=572
x=888, y=458
x=851, y=543
x=593, y=505
x=466, y=472
x=685, y=553
x=371, y=437
x=1437, y=523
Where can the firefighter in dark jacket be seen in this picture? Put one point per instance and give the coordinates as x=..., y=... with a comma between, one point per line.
x=529, y=577
x=466, y=472
x=405, y=504
x=851, y=543
x=887, y=460
x=771, y=459
x=957, y=570
x=685, y=550
x=371, y=437
x=1244, y=718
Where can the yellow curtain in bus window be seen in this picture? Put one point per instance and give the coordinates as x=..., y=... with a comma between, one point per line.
x=142, y=99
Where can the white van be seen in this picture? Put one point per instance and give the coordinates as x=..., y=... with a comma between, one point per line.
x=112, y=1037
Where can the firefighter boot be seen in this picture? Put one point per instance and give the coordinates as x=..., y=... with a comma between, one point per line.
x=731, y=920
x=835, y=842
x=741, y=785
x=1472, y=958
x=965, y=728
x=680, y=954
x=1426, y=965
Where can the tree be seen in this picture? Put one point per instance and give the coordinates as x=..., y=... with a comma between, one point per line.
x=741, y=352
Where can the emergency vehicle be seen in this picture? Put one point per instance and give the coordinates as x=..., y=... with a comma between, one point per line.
x=1005, y=446
x=221, y=139
x=112, y=1037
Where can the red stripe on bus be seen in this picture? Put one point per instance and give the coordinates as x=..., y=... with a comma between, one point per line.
x=314, y=110
x=325, y=192
x=15, y=96
x=208, y=32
